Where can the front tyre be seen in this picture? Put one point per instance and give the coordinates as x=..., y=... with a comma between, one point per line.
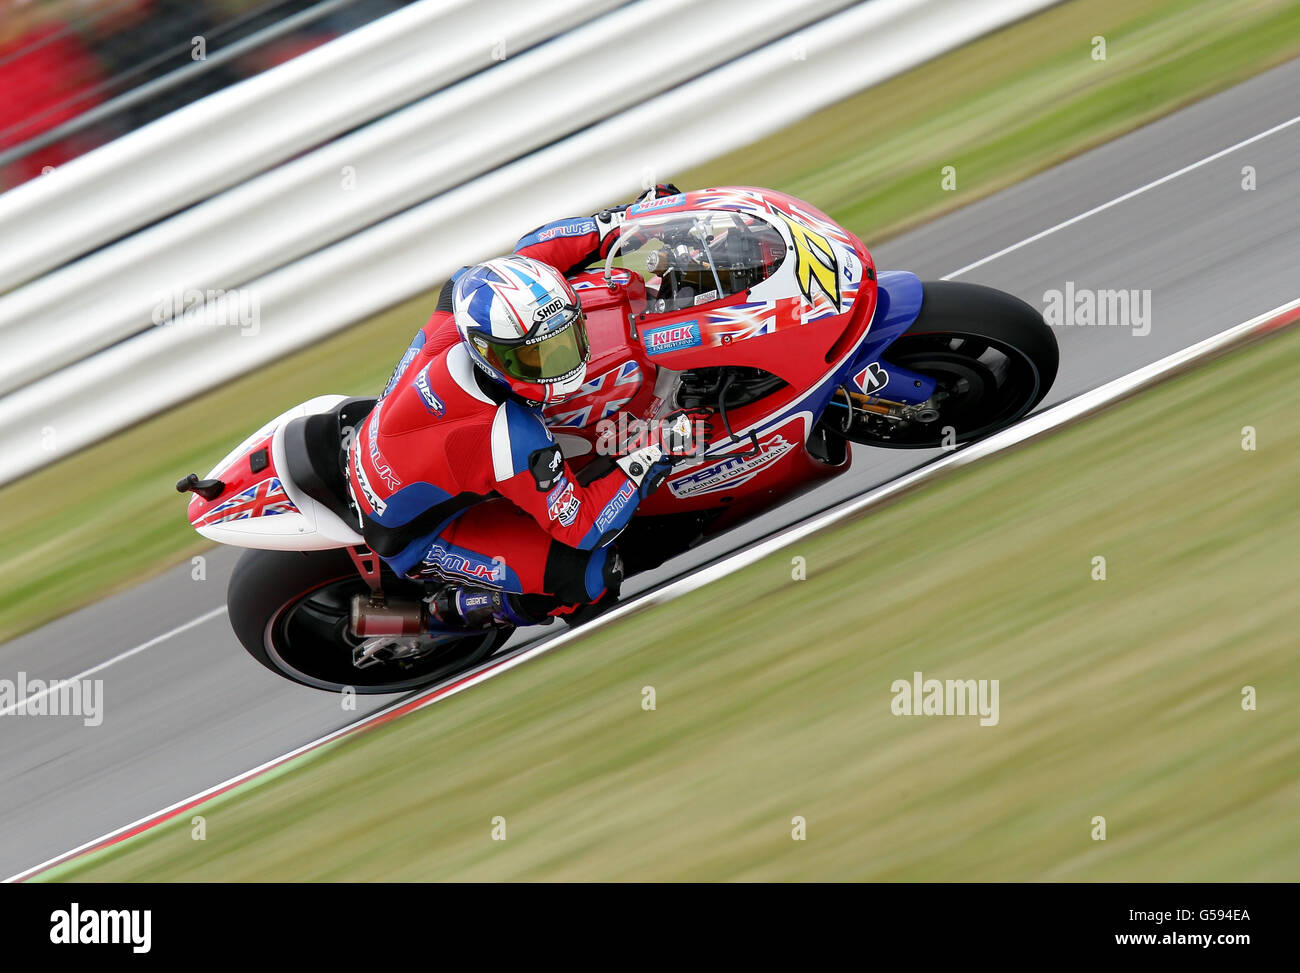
x=991, y=354
x=290, y=610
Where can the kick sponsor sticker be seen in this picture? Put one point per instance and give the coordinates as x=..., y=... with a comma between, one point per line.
x=674, y=337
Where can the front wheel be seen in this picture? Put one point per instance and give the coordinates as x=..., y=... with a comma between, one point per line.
x=290, y=610
x=993, y=359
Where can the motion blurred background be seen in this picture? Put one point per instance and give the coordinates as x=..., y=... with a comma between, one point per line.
x=78, y=73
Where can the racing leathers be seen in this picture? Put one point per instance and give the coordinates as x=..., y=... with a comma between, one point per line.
x=457, y=479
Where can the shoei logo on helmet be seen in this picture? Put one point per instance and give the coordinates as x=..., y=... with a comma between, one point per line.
x=548, y=309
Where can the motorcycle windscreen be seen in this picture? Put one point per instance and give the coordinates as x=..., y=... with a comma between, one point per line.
x=697, y=257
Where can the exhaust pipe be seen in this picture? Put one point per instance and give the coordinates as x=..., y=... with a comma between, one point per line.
x=371, y=619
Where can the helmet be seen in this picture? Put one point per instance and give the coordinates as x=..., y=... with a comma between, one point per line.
x=523, y=325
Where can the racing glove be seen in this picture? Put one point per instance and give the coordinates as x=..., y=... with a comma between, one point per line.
x=611, y=219
x=678, y=433
x=658, y=191
x=647, y=467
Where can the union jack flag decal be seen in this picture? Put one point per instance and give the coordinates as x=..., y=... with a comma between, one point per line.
x=628, y=373
x=263, y=499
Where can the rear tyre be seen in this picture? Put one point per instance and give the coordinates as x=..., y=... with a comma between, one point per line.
x=994, y=359
x=290, y=610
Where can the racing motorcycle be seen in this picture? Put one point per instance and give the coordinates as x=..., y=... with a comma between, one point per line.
x=744, y=304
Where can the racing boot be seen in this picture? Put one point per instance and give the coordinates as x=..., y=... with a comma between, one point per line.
x=467, y=606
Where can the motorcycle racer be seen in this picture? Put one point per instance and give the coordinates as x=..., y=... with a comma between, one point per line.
x=455, y=474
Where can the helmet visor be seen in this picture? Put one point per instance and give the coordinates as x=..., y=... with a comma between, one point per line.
x=543, y=359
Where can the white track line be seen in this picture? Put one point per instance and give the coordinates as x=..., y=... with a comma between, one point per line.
x=156, y=640
x=1120, y=199
x=1036, y=425
x=451, y=687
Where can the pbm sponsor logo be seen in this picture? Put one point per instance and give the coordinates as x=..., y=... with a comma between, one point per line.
x=730, y=472
x=455, y=563
x=672, y=338
x=615, y=506
x=571, y=228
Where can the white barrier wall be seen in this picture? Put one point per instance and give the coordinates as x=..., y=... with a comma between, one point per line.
x=225, y=138
x=346, y=270
x=357, y=180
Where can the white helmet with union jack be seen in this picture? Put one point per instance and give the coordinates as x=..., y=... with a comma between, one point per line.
x=522, y=323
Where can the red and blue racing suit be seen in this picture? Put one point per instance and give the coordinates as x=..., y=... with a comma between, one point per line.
x=456, y=478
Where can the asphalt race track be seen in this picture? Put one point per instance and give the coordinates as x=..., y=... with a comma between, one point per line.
x=193, y=709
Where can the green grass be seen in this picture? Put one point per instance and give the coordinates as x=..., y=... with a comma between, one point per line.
x=1118, y=698
x=1001, y=108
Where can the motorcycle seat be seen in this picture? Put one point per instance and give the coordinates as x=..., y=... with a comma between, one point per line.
x=315, y=456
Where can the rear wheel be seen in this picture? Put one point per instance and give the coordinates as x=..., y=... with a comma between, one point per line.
x=290, y=610
x=991, y=354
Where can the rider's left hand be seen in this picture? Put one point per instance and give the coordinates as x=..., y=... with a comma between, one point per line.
x=685, y=433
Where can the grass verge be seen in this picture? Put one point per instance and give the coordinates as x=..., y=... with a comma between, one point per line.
x=999, y=109
x=1119, y=698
